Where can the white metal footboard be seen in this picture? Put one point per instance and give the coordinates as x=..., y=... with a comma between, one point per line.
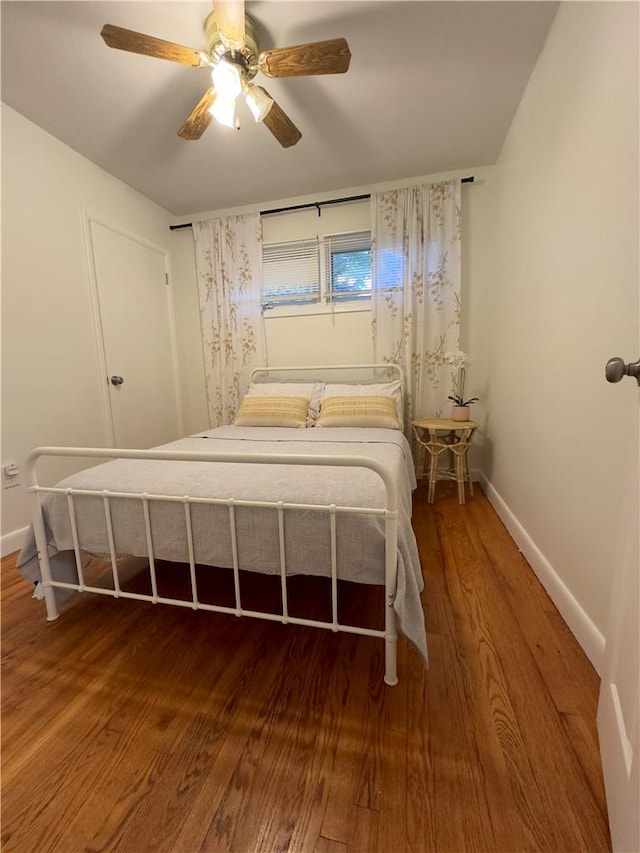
x=389, y=513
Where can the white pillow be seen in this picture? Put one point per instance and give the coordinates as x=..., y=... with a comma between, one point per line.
x=311, y=390
x=374, y=389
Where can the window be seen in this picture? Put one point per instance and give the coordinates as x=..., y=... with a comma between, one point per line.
x=324, y=271
x=290, y=273
x=349, y=262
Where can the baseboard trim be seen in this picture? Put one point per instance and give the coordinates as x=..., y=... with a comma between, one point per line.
x=581, y=626
x=10, y=542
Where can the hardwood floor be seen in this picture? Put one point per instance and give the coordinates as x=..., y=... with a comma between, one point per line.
x=130, y=727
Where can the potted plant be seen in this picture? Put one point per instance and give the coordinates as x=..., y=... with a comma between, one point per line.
x=460, y=410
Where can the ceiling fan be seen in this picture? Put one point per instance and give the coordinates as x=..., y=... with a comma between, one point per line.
x=235, y=59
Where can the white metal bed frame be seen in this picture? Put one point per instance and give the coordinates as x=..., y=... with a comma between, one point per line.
x=389, y=512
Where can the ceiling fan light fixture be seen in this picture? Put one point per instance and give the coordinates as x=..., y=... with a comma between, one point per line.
x=224, y=112
x=258, y=101
x=234, y=58
x=227, y=80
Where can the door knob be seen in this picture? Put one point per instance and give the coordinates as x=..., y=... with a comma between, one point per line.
x=616, y=369
x=117, y=380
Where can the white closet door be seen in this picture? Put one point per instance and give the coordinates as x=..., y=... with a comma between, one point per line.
x=619, y=704
x=133, y=308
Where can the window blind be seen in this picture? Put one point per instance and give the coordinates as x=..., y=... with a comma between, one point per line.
x=332, y=268
x=291, y=273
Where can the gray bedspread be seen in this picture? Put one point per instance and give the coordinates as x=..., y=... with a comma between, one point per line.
x=360, y=551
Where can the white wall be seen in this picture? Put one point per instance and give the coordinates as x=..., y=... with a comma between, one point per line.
x=562, y=447
x=51, y=384
x=346, y=336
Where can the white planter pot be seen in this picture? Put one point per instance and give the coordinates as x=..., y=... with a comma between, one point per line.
x=460, y=413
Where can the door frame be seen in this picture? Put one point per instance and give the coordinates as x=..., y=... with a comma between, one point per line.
x=94, y=299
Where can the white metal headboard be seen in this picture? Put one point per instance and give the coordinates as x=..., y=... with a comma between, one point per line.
x=394, y=369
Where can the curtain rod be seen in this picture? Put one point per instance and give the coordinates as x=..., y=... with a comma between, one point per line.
x=316, y=204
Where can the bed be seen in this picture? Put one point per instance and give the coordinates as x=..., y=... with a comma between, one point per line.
x=300, y=492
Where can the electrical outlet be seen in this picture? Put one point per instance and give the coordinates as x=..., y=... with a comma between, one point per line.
x=11, y=475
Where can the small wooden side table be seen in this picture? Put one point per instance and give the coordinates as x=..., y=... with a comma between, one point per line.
x=439, y=435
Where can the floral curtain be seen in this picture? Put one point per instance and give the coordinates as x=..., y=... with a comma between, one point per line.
x=416, y=264
x=229, y=273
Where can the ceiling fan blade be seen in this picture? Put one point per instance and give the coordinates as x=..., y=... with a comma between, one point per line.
x=199, y=118
x=281, y=126
x=319, y=57
x=134, y=42
x=230, y=19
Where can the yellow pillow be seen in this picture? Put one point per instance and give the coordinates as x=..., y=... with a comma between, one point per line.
x=358, y=412
x=273, y=411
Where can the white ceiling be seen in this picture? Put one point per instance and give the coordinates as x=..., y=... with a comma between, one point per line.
x=432, y=87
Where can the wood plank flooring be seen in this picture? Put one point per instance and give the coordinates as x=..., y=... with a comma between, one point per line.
x=129, y=727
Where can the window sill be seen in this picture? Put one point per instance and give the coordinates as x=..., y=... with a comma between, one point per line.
x=310, y=310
